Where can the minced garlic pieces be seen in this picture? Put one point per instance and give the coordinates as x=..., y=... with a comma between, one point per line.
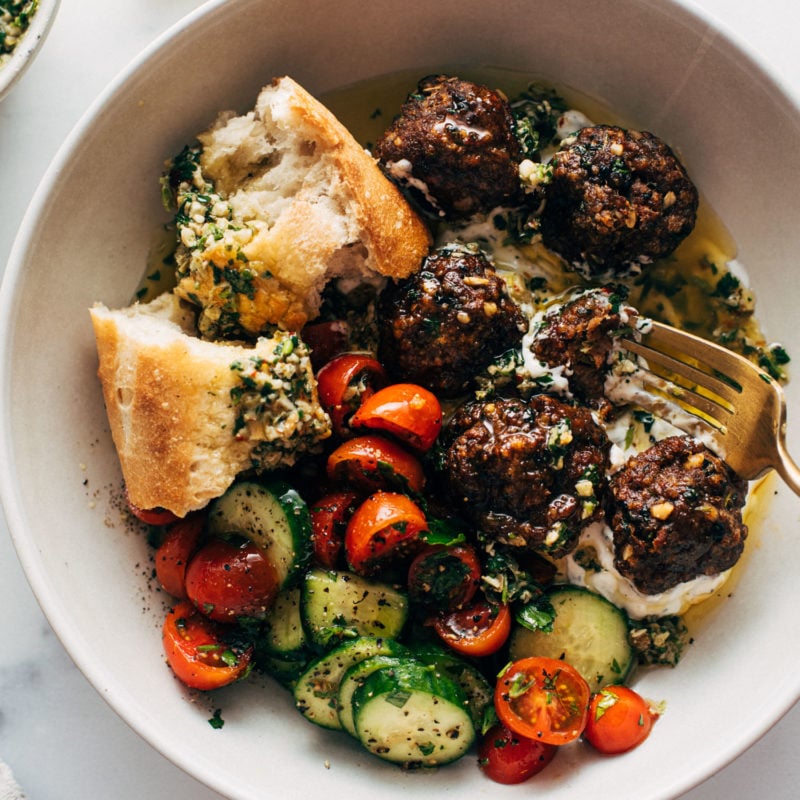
x=661, y=510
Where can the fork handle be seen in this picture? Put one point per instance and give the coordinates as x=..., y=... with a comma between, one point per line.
x=786, y=467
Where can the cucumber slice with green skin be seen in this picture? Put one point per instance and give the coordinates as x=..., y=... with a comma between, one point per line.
x=589, y=632
x=478, y=690
x=336, y=606
x=316, y=693
x=411, y=714
x=286, y=671
x=355, y=677
x=274, y=517
x=284, y=634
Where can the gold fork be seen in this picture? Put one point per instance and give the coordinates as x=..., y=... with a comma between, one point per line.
x=739, y=405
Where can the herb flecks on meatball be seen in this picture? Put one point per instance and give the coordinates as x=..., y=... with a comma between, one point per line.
x=617, y=199
x=454, y=143
x=676, y=513
x=579, y=336
x=445, y=323
x=529, y=475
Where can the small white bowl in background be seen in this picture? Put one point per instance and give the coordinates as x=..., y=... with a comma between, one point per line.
x=28, y=46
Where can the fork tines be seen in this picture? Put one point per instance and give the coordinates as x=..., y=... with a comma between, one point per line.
x=689, y=379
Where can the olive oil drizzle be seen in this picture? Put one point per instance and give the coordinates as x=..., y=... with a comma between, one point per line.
x=700, y=287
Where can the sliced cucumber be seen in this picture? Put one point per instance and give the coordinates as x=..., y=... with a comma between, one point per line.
x=284, y=634
x=274, y=516
x=316, y=693
x=589, y=632
x=411, y=714
x=286, y=671
x=478, y=690
x=341, y=605
x=355, y=677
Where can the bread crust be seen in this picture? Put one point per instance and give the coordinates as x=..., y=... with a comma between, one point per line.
x=168, y=400
x=394, y=235
x=303, y=204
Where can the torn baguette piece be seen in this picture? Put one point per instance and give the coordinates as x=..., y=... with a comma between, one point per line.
x=188, y=415
x=281, y=201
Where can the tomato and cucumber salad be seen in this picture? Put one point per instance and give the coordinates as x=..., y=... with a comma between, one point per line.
x=371, y=604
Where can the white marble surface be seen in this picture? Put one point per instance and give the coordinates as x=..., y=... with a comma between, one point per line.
x=57, y=734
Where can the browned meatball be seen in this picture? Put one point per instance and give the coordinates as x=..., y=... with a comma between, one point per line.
x=454, y=144
x=617, y=199
x=580, y=335
x=675, y=511
x=529, y=475
x=442, y=325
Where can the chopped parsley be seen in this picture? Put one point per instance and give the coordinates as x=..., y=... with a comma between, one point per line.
x=659, y=640
x=216, y=720
x=536, y=112
x=274, y=402
x=538, y=615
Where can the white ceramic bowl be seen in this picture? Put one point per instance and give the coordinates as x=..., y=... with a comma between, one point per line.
x=29, y=45
x=86, y=238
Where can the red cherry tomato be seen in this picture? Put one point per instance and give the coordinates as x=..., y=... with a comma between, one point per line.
x=619, y=720
x=150, y=516
x=479, y=629
x=543, y=699
x=226, y=580
x=329, y=518
x=196, y=651
x=176, y=549
x=444, y=578
x=506, y=757
x=405, y=410
x=385, y=527
x=326, y=340
x=344, y=383
x=372, y=463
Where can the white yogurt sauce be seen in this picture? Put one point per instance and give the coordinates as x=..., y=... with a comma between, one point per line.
x=622, y=593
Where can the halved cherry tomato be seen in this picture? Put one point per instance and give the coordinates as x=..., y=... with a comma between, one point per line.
x=150, y=516
x=176, y=549
x=619, y=720
x=373, y=463
x=543, y=699
x=344, y=383
x=479, y=629
x=385, y=527
x=226, y=580
x=444, y=578
x=329, y=518
x=405, y=410
x=507, y=757
x=196, y=651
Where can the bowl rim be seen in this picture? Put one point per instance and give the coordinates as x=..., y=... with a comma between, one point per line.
x=10, y=499
x=29, y=45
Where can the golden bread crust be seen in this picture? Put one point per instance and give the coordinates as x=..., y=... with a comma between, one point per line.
x=168, y=396
x=394, y=234
x=296, y=202
x=303, y=204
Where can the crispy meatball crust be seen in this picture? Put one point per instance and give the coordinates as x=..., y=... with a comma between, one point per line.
x=458, y=138
x=580, y=335
x=442, y=325
x=618, y=199
x=676, y=513
x=530, y=475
